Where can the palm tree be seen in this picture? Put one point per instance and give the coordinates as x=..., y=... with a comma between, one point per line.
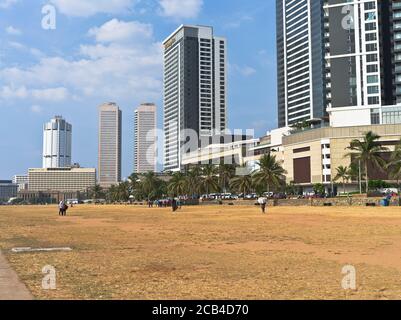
x=151, y=185
x=226, y=172
x=112, y=194
x=178, y=184
x=209, y=179
x=368, y=151
x=242, y=183
x=123, y=191
x=194, y=181
x=271, y=172
x=133, y=180
x=342, y=174
x=96, y=192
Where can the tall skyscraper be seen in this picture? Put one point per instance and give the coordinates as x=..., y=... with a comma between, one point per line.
x=109, y=166
x=300, y=54
x=341, y=58
x=195, y=88
x=145, y=140
x=57, y=143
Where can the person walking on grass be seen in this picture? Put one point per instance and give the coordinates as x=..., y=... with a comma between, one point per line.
x=61, y=208
x=65, y=208
x=174, y=205
x=263, y=202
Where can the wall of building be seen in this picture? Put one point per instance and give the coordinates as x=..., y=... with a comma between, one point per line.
x=62, y=180
x=7, y=190
x=293, y=153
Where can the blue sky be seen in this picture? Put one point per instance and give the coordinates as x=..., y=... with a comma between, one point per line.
x=109, y=50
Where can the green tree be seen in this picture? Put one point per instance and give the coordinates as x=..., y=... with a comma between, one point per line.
x=112, y=194
x=133, y=181
x=319, y=189
x=152, y=186
x=210, y=180
x=242, y=184
x=368, y=152
x=194, y=181
x=178, y=184
x=96, y=192
x=271, y=172
x=226, y=173
x=343, y=175
x=123, y=191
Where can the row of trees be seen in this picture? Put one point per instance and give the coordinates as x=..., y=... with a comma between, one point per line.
x=197, y=181
x=368, y=153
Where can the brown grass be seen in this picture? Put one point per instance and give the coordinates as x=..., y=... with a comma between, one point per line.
x=123, y=252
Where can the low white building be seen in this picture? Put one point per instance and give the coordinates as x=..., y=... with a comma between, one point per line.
x=61, y=179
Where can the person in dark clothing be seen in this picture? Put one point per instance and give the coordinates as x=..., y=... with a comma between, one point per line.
x=65, y=208
x=174, y=205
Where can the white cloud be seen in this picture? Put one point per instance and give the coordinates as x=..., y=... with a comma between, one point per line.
x=7, y=92
x=36, y=109
x=87, y=8
x=238, y=21
x=181, y=8
x=120, y=31
x=7, y=3
x=110, y=69
x=13, y=31
x=21, y=92
x=245, y=71
x=52, y=94
x=19, y=46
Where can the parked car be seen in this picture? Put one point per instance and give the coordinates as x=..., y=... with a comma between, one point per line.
x=268, y=194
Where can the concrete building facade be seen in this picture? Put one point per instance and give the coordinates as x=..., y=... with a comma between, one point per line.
x=145, y=139
x=195, y=88
x=340, y=59
x=8, y=190
x=110, y=139
x=22, y=181
x=57, y=139
x=62, y=179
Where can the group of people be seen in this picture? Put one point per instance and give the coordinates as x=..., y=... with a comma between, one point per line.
x=174, y=203
x=63, y=207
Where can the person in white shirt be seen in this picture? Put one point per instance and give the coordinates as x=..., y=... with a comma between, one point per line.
x=61, y=208
x=262, y=201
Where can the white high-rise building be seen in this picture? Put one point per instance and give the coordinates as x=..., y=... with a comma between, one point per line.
x=195, y=88
x=145, y=140
x=109, y=166
x=57, y=143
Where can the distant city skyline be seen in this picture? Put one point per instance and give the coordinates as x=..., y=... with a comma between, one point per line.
x=99, y=54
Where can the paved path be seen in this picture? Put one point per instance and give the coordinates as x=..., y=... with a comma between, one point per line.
x=11, y=288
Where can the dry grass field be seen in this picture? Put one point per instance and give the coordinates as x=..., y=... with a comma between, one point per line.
x=123, y=252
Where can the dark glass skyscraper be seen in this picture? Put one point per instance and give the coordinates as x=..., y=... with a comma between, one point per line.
x=301, y=50
x=195, y=90
x=339, y=58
